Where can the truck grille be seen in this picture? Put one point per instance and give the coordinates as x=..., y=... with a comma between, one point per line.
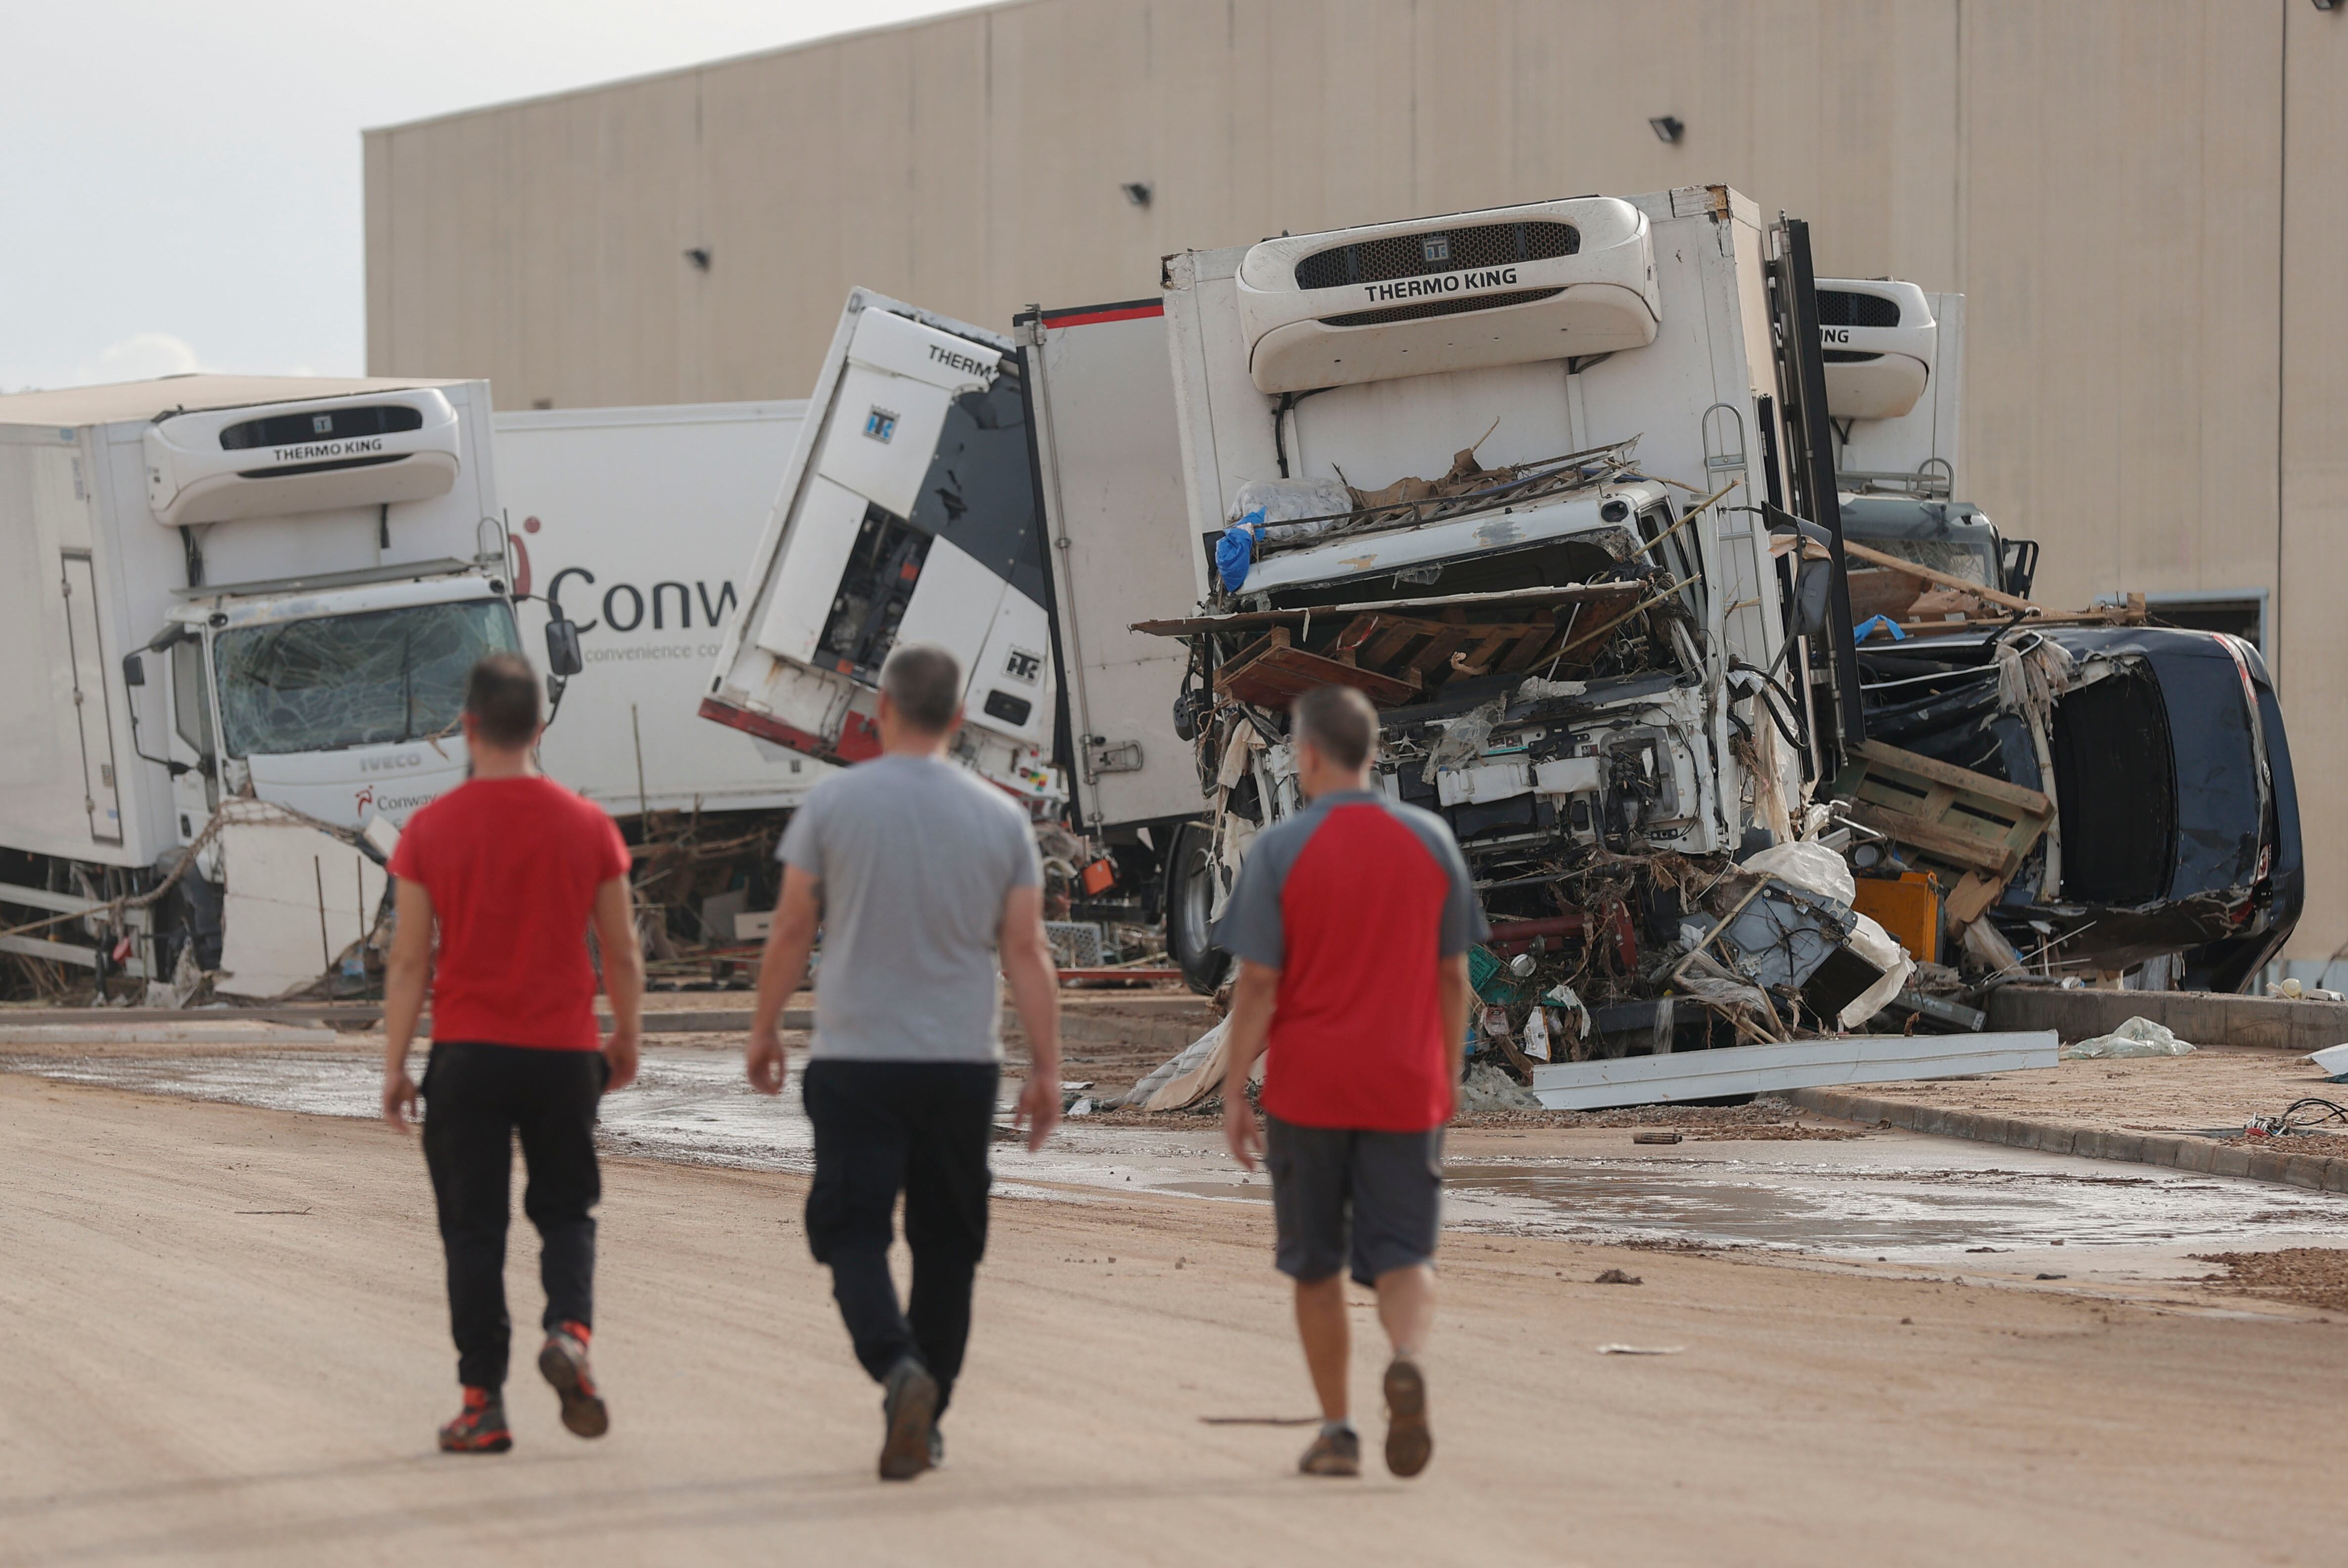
x=1838, y=307
x=1437, y=307
x=1444, y=250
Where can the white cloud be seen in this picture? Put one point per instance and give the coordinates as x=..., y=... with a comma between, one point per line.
x=141, y=356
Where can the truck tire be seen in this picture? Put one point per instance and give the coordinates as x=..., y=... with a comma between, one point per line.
x=1190, y=908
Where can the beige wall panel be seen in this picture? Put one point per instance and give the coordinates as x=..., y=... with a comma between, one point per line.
x=2314, y=676
x=873, y=227
x=1999, y=76
x=770, y=125
x=1922, y=151
x=2239, y=236
x=1367, y=122
x=952, y=203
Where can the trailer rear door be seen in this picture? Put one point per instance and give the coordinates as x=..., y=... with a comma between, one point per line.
x=93, y=707
x=1110, y=463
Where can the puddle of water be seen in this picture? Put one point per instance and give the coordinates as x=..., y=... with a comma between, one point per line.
x=1899, y=1197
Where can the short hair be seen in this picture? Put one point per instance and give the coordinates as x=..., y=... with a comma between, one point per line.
x=924, y=683
x=1338, y=722
x=501, y=694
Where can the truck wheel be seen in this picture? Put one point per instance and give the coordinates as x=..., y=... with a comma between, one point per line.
x=1190, y=909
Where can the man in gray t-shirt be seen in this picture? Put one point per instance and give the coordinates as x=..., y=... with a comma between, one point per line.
x=914, y=856
x=923, y=879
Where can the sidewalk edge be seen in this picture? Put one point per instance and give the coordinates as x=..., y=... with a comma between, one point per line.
x=2315, y=1172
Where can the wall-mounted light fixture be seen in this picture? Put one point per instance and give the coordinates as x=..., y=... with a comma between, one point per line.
x=1137, y=193
x=1666, y=126
x=699, y=256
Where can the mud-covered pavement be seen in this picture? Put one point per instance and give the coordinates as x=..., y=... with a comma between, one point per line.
x=1886, y=1198
x=223, y=1340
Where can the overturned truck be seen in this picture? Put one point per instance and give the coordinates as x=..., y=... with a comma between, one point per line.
x=1519, y=476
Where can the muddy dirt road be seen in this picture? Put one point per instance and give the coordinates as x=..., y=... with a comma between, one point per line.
x=222, y=1341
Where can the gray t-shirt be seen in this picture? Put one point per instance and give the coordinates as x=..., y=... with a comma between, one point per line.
x=914, y=857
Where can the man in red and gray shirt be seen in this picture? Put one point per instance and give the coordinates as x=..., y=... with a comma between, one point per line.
x=513, y=869
x=1352, y=923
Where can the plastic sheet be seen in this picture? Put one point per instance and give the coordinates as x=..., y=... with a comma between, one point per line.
x=2137, y=1037
x=1812, y=867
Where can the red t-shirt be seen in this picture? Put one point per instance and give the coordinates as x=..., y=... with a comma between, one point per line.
x=512, y=866
x=1355, y=901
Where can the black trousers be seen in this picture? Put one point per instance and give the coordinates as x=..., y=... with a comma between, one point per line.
x=477, y=1097
x=919, y=1128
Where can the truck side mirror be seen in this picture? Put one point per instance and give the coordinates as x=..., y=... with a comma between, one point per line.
x=1813, y=593
x=562, y=658
x=134, y=670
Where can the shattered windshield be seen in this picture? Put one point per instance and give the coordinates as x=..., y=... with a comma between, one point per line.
x=368, y=679
x=1971, y=562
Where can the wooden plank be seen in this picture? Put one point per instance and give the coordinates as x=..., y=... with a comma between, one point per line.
x=1275, y=676
x=1395, y=636
x=1527, y=599
x=1440, y=645
x=1931, y=574
x=1528, y=647
x=1993, y=856
x=1479, y=659
x=1356, y=631
x=1972, y=898
x=1941, y=772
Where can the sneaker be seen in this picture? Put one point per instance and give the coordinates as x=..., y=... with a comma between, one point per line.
x=563, y=1361
x=1334, y=1453
x=1409, y=1443
x=479, y=1428
x=908, y=1405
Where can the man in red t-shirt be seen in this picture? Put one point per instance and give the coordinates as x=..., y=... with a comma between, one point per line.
x=1352, y=922
x=514, y=868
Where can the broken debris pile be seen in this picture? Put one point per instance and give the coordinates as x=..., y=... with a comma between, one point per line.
x=1561, y=689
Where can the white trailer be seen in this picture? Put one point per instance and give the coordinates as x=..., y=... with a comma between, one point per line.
x=233, y=604
x=639, y=524
x=907, y=514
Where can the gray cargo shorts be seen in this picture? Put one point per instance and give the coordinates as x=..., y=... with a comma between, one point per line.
x=1391, y=1182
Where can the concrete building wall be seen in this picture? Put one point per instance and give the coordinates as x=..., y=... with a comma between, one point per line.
x=2139, y=198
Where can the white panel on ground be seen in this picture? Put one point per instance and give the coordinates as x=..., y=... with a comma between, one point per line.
x=1792, y=1064
x=296, y=898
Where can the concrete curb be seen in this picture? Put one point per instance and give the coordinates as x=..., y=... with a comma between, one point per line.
x=2316, y=1173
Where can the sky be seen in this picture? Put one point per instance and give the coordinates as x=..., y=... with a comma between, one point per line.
x=182, y=186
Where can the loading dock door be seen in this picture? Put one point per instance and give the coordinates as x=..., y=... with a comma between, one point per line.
x=92, y=710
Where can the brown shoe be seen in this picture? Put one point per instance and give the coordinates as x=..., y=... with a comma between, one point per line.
x=1332, y=1453
x=562, y=1362
x=1409, y=1443
x=908, y=1407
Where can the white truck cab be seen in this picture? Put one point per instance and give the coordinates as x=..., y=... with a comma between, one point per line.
x=245, y=597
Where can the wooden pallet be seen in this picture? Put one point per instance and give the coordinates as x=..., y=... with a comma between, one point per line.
x=1973, y=827
x=1271, y=673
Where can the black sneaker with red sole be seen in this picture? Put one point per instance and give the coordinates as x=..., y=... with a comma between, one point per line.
x=479, y=1428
